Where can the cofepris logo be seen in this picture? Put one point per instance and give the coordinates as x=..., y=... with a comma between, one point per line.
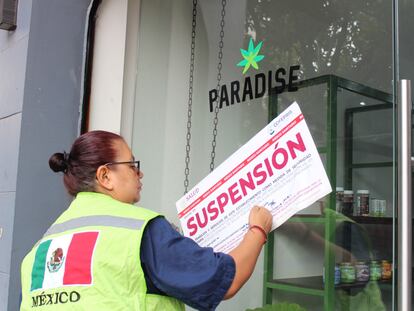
x=251, y=56
x=262, y=83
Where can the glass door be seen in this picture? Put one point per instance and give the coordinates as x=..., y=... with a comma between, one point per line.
x=348, y=236
x=339, y=253
x=338, y=61
x=404, y=75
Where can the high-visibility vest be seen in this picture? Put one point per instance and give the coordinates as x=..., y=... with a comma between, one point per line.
x=89, y=259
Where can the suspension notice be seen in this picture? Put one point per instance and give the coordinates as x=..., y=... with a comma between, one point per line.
x=278, y=168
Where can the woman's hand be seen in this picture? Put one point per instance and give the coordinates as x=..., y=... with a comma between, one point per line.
x=260, y=216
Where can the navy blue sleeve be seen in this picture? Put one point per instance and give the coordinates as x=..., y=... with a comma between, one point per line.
x=176, y=266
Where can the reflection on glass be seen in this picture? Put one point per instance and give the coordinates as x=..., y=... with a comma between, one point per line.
x=348, y=38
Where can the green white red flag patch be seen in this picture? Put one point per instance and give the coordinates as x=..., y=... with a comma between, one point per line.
x=64, y=260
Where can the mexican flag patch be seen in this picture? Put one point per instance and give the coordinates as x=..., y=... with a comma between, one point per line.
x=64, y=260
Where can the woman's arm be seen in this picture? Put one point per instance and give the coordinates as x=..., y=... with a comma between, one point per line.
x=245, y=255
x=176, y=266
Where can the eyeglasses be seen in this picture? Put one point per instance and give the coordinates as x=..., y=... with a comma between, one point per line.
x=132, y=164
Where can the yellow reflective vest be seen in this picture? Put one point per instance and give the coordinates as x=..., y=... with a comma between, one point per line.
x=89, y=259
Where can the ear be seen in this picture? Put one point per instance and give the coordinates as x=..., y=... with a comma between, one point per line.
x=103, y=177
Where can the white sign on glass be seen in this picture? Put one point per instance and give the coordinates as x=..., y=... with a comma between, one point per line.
x=278, y=168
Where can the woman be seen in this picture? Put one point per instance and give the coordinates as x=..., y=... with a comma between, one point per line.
x=104, y=253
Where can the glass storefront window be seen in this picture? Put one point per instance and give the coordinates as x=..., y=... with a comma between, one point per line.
x=345, y=41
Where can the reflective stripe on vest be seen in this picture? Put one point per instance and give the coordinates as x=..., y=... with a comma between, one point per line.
x=96, y=220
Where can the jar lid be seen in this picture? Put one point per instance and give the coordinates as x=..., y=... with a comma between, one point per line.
x=345, y=264
x=348, y=192
x=339, y=188
x=361, y=262
x=363, y=191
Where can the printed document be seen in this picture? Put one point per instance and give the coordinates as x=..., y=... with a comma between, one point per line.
x=278, y=168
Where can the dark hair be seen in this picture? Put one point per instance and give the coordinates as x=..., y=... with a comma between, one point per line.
x=88, y=152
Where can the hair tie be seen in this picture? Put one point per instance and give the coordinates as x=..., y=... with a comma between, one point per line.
x=65, y=161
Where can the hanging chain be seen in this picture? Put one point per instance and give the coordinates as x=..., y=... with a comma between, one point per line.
x=190, y=98
x=219, y=66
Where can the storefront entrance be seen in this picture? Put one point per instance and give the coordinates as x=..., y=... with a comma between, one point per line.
x=210, y=75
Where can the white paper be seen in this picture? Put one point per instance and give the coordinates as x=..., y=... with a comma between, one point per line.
x=278, y=168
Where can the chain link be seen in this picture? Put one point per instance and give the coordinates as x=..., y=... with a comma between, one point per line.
x=190, y=92
x=219, y=67
x=190, y=98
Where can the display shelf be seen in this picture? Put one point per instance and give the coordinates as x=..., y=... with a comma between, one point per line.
x=372, y=220
x=358, y=219
x=304, y=285
x=307, y=219
x=370, y=165
x=329, y=220
x=313, y=285
x=381, y=283
x=350, y=164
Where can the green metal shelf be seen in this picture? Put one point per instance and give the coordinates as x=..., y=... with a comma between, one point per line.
x=370, y=165
x=372, y=220
x=312, y=219
x=349, y=133
x=305, y=285
x=308, y=219
x=313, y=285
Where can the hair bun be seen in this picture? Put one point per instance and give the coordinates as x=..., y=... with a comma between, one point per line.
x=58, y=162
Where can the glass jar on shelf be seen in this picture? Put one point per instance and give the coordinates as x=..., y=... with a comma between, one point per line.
x=375, y=270
x=348, y=203
x=347, y=272
x=362, y=271
x=386, y=270
x=362, y=203
x=339, y=199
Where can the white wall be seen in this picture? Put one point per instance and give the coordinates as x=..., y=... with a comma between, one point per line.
x=108, y=66
x=13, y=56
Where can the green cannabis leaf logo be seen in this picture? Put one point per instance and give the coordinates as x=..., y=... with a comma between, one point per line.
x=251, y=57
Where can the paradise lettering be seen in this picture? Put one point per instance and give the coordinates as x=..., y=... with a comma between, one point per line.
x=256, y=90
x=233, y=194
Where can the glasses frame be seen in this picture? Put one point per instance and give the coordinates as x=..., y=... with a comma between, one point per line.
x=133, y=164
